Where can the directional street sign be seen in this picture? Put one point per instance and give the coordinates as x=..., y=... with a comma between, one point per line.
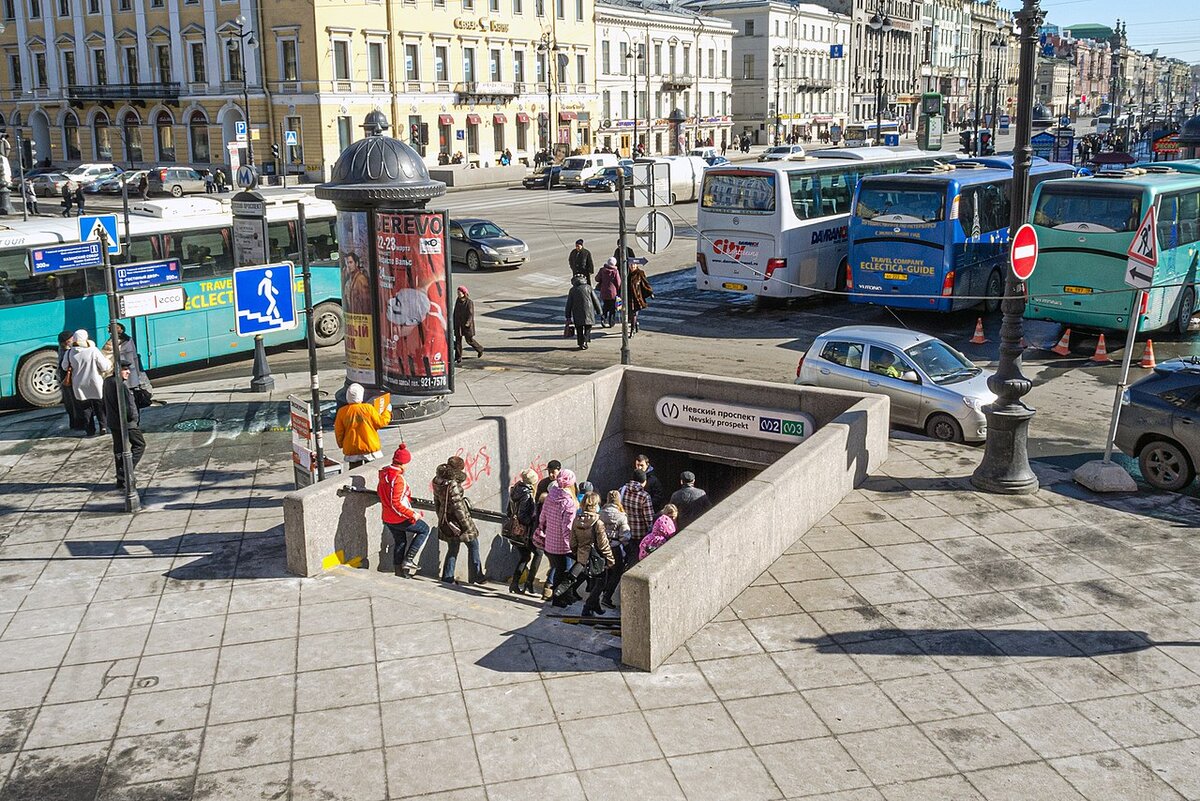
x=655, y=231
x=239, y=130
x=1024, y=253
x=146, y=274
x=139, y=304
x=290, y=139
x=61, y=258
x=1143, y=254
x=264, y=298
x=89, y=228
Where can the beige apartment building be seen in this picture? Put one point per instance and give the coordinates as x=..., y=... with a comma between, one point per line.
x=151, y=82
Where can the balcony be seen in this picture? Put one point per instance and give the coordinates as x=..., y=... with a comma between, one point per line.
x=487, y=89
x=803, y=83
x=676, y=81
x=122, y=92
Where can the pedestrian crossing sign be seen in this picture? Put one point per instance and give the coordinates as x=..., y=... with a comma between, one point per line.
x=290, y=139
x=91, y=226
x=264, y=298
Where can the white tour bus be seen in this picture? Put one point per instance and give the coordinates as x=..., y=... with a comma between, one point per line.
x=779, y=230
x=864, y=134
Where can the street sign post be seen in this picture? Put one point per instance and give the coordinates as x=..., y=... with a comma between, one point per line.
x=1142, y=254
x=290, y=139
x=239, y=130
x=90, y=227
x=139, y=304
x=1023, y=255
x=251, y=246
x=63, y=258
x=147, y=274
x=655, y=231
x=264, y=299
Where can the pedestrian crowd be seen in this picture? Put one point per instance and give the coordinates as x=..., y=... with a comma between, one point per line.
x=588, y=305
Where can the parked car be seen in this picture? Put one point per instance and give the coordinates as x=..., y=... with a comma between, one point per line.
x=718, y=161
x=29, y=174
x=577, y=169
x=931, y=385
x=176, y=181
x=782, y=153
x=49, y=184
x=1160, y=423
x=547, y=173
x=705, y=153
x=112, y=186
x=606, y=181
x=88, y=172
x=479, y=243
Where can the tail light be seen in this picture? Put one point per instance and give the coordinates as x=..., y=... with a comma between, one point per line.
x=948, y=285
x=849, y=277
x=773, y=265
x=800, y=365
x=702, y=262
x=162, y=175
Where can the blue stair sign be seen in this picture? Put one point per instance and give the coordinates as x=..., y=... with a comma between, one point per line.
x=891, y=140
x=264, y=298
x=89, y=228
x=146, y=274
x=61, y=258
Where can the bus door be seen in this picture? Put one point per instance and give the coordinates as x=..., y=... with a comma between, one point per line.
x=983, y=217
x=1178, y=221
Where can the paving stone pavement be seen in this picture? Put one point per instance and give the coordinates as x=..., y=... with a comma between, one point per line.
x=922, y=642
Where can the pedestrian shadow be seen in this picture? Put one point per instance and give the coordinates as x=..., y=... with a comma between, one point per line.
x=1063, y=643
x=226, y=556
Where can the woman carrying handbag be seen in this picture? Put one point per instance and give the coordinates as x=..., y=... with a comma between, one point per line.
x=455, y=525
x=593, y=554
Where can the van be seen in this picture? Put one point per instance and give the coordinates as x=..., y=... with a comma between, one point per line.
x=577, y=169
x=686, y=175
x=705, y=153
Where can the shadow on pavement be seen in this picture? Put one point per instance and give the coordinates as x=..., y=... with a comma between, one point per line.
x=1069, y=643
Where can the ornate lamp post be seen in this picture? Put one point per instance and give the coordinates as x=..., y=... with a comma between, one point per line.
x=778, y=64
x=548, y=47
x=882, y=24
x=242, y=40
x=1005, y=466
x=636, y=57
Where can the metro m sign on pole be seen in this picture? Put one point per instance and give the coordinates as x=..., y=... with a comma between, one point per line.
x=1023, y=255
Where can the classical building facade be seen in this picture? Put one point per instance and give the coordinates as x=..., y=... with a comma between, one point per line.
x=653, y=59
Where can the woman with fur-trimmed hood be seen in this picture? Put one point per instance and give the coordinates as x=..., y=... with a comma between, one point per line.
x=455, y=525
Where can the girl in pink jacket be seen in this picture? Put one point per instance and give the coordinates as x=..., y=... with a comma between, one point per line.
x=558, y=515
x=663, y=530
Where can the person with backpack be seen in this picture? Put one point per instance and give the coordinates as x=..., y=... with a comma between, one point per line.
x=399, y=517
x=608, y=281
x=519, y=524
x=593, y=554
x=616, y=526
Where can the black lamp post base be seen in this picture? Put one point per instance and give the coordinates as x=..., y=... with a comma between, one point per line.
x=261, y=380
x=6, y=207
x=1005, y=467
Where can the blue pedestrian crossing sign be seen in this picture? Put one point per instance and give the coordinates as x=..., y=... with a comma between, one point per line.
x=289, y=138
x=90, y=227
x=264, y=298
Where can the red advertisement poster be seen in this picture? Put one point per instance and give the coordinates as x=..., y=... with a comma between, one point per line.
x=414, y=293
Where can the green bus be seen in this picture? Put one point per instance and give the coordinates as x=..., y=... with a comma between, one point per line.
x=34, y=310
x=1084, y=228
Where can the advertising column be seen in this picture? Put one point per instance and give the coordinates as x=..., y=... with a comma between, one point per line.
x=354, y=246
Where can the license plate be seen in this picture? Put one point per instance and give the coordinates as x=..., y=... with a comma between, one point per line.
x=896, y=276
x=737, y=287
x=1077, y=290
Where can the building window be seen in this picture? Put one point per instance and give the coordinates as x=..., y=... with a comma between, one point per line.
x=579, y=10
x=560, y=9
x=125, y=5
x=712, y=63
x=412, y=63
x=623, y=59
x=494, y=6
x=156, y=3
x=469, y=64
x=39, y=70
x=64, y=8
x=345, y=132
x=199, y=70
x=71, y=137
x=625, y=105
x=198, y=138
x=518, y=7
x=341, y=60
x=14, y=71
x=163, y=58
x=724, y=63
x=295, y=155
x=468, y=5
x=605, y=54
x=687, y=60
x=494, y=65
x=606, y=105
x=375, y=68
x=289, y=64
x=498, y=145
x=749, y=27
x=539, y=7
x=748, y=65
x=441, y=64
x=132, y=127
x=540, y=67
x=164, y=137
x=100, y=137
x=10, y=9
x=235, y=63
x=580, y=68
x=519, y=66
x=658, y=61
x=522, y=136
x=472, y=138
x=100, y=66
x=35, y=9
x=69, y=68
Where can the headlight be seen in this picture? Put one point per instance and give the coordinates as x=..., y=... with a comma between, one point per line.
x=489, y=251
x=974, y=403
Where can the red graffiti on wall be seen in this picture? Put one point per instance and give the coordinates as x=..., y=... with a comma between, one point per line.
x=537, y=466
x=476, y=465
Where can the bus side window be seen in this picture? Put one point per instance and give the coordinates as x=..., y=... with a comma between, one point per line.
x=803, y=197
x=835, y=194
x=968, y=209
x=322, y=242
x=1169, y=235
x=17, y=289
x=141, y=248
x=1189, y=217
x=283, y=244
x=995, y=205
x=204, y=254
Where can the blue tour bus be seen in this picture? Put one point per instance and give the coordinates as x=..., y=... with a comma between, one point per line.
x=935, y=237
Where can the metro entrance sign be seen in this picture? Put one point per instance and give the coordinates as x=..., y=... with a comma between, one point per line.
x=1024, y=253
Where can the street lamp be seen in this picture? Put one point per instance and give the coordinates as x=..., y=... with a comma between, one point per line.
x=1005, y=466
x=780, y=61
x=882, y=24
x=241, y=41
x=548, y=47
x=998, y=44
x=636, y=57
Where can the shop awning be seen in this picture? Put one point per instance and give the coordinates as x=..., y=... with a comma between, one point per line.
x=522, y=117
x=499, y=119
x=472, y=119
x=445, y=119
x=567, y=116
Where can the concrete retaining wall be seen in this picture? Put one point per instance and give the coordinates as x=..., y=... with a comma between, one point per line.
x=463, y=177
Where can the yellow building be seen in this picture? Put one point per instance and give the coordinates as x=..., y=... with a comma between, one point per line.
x=149, y=82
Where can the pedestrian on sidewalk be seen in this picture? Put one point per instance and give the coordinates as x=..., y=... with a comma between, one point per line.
x=399, y=516
x=519, y=525
x=663, y=530
x=640, y=512
x=144, y=186
x=72, y=406
x=137, y=442
x=588, y=537
x=658, y=495
x=582, y=310
x=640, y=292
x=554, y=523
x=68, y=198
x=356, y=428
x=30, y=196
x=455, y=526
x=580, y=261
x=79, y=199
x=464, y=324
x=616, y=525
x=608, y=281
x=689, y=499
x=85, y=367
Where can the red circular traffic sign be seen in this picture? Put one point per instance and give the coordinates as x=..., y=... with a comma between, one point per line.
x=1024, y=252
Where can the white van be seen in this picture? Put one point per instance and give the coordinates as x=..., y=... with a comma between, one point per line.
x=577, y=169
x=705, y=153
x=687, y=174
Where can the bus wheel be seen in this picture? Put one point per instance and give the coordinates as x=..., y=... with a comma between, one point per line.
x=329, y=328
x=994, y=292
x=37, y=380
x=944, y=427
x=1187, y=306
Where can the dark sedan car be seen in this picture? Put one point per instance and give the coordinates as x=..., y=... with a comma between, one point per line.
x=479, y=243
x=606, y=180
x=1160, y=423
x=551, y=174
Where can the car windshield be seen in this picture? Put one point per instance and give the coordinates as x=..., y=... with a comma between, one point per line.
x=779, y=150
x=484, y=230
x=574, y=164
x=1069, y=209
x=895, y=205
x=941, y=362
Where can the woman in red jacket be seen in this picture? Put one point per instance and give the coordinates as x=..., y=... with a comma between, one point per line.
x=399, y=516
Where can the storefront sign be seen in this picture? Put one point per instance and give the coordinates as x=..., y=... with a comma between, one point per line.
x=354, y=248
x=730, y=418
x=480, y=24
x=1167, y=144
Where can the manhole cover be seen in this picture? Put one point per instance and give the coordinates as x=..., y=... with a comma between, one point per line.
x=196, y=424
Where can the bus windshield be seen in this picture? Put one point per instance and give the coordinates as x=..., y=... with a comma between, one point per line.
x=941, y=362
x=884, y=203
x=1074, y=208
x=742, y=193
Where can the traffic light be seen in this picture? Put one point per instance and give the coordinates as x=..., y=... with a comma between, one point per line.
x=275, y=152
x=415, y=138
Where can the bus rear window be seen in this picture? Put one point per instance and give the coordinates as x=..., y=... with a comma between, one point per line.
x=740, y=193
x=896, y=205
x=1069, y=209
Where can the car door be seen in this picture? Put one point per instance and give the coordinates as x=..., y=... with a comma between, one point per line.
x=1185, y=424
x=840, y=364
x=458, y=242
x=905, y=395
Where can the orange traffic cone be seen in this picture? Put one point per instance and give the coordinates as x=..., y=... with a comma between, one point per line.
x=1148, y=362
x=979, y=338
x=1063, y=348
x=1101, y=354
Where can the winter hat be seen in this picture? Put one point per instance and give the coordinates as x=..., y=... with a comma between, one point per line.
x=402, y=455
x=126, y=364
x=456, y=463
x=578, y=241
x=565, y=478
x=611, y=262
x=81, y=337
x=354, y=393
x=687, y=477
x=463, y=290
x=587, y=487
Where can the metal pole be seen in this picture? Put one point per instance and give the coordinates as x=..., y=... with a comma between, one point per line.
x=283, y=160
x=1005, y=466
x=125, y=215
x=879, y=86
x=21, y=172
x=778, y=118
x=314, y=379
x=1134, y=316
x=246, y=101
x=623, y=261
x=978, y=91
x=132, y=501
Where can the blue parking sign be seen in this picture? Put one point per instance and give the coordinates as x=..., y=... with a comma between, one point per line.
x=264, y=298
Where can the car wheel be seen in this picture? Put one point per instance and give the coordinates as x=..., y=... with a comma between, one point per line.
x=474, y=263
x=1187, y=306
x=994, y=292
x=943, y=427
x=176, y=191
x=328, y=327
x=1165, y=465
x=37, y=380
x=587, y=189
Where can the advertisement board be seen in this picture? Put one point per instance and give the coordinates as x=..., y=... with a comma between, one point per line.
x=414, y=302
x=357, y=309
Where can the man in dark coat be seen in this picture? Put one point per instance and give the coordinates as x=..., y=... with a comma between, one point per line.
x=464, y=325
x=137, y=442
x=580, y=261
x=658, y=496
x=689, y=499
x=582, y=310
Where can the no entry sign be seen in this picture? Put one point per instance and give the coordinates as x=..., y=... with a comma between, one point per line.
x=1023, y=256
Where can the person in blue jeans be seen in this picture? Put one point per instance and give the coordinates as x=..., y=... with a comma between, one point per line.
x=399, y=516
x=455, y=526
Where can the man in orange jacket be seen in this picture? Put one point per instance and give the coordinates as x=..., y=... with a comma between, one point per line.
x=399, y=516
x=356, y=428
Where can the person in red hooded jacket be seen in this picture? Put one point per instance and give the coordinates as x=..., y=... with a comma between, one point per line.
x=399, y=516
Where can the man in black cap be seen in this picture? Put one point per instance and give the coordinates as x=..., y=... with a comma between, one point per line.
x=580, y=260
x=690, y=500
x=137, y=442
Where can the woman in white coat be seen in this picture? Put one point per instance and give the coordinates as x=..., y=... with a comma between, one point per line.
x=87, y=366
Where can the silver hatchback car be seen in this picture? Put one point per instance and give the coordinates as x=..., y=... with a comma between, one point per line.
x=931, y=385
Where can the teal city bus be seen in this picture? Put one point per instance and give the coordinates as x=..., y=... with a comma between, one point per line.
x=34, y=310
x=1084, y=228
